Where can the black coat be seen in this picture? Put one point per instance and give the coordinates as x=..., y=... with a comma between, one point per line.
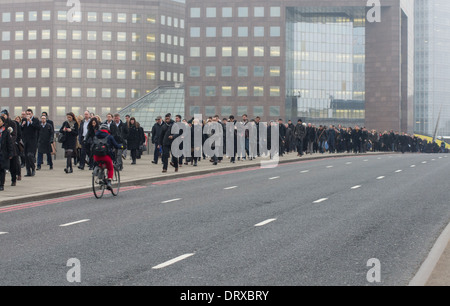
x=134, y=137
x=70, y=142
x=6, y=149
x=30, y=134
x=45, y=139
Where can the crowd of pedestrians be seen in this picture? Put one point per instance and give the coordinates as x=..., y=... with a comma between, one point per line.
x=26, y=136
x=300, y=139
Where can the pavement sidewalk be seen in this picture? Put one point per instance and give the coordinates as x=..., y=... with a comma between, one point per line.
x=56, y=183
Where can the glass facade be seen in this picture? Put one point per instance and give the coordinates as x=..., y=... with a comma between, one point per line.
x=432, y=66
x=325, y=62
x=159, y=102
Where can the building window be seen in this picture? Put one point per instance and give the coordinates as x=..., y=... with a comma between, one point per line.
x=227, y=51
x=211, y=32
x=210, y=71
x=243, y=12
x=121, y=74
x=61, y=34
x=258, y=32
x=61, y=92
x=61, y=72
x=151, y=19
x=210, y=111
x=18, y=54
x=32, y=35
x=259, y=11
x=122, y=18
x=106, y=55
x=46, y=15
x=135, y=56
x=195, y=52
x=76, y=35
x=275, y=91
x=45, y=34
x=242, y=51
x=121, y=93
x=227, y=32
x=275, y=11
x=258, y=91
x=162, y=57
x=227, y=91
x=106, y=36
x=211, y=12
x=92, y=16
x=258, y=111
x=5, y=73
x=194, y=91
x=32, y=54
x=19, y=16
x=274, y=111
x=258, y=51
x=18, y=73
x=195, y=12
x=242, y=71
x=6, y=36
x=210, y=91
x=195, y=32
x=121, y=36
x=210, y=51
x=91, y=92
x=19, y=35
x=61, y=54
x=121, y=55
x=275, y=71
x=227, y=71
x=107, y=17
x=243, y=31
x=275, y=31
x=275, y=51
x=91, y=54
x=76, y=92
x=194, y=71
x=91, y=73
x=45, y=92
x=18, y=92
x=76, y=73
x=151, y=75
x=136, y=18
x=32, y=16
x=45, y=73
x=91, y=35
x=106, y=74
x=6, y=54
x=6, y=17
x=151, y=38
x=151, y=56
x=5, y=94
x=258, y=71
x=62, y=15
x=106, y=92
x=227, y=12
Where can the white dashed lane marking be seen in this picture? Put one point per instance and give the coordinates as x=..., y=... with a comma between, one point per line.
x=265, y=222
x=230, y=188
x=173, y=261
x=320, y=201
x=356, y=187
x=170, y=201
x=74, y=223
x=380, y=177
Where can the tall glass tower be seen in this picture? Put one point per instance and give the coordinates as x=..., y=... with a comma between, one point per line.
x=432, y=67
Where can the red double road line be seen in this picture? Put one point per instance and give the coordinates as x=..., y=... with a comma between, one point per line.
x=58, y=200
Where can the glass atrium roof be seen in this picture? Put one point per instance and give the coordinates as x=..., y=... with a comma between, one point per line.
x=159, y=102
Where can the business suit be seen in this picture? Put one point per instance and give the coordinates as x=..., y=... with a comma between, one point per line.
x=30, y=134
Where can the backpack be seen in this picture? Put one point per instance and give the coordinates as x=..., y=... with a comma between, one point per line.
x=100, y=146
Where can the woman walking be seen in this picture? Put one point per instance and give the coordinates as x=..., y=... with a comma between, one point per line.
x=6, y=151
x=70, y=131
x=134, y=139
x=93, y=127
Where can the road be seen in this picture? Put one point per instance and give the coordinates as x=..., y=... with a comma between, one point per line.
x=306, y=223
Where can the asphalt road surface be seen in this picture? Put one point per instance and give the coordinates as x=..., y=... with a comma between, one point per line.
x=307, y=223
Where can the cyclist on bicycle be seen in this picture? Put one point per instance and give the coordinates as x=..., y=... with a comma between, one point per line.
x=103, y=152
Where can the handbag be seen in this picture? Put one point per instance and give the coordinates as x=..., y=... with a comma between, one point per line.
x=61, y=138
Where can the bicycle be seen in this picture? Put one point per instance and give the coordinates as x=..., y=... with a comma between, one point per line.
x=100, y=181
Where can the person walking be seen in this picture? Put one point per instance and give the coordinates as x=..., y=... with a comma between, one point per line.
x=6, y=151
x=84, y=127
x=165, y=142
x=93, y=127
x=69, y=144
x=120, y=137
x=156, y=134
x=134, y=139
x=46, y=135
x=30, y=130
x=14, y=130
x=299, y=136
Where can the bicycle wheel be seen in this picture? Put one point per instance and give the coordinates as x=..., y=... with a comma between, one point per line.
x=115, y=182
x=98, y=182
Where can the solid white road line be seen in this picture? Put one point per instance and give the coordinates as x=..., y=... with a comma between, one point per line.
x=76, y=222
x=265, y=222
x=320, y=201
x=232, y=187
x=274, y=178
x=427, y=268
x=170, y=201
x=356, y=187
x=380, y=177
x=171, y=262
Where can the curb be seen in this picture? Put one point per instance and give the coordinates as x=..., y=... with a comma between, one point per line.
x=150, y=180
